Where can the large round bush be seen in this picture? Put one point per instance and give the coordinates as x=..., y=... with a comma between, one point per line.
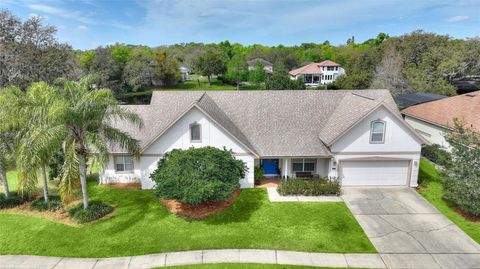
x=198, y=175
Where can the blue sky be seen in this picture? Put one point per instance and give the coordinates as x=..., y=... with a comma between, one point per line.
x=86, y=24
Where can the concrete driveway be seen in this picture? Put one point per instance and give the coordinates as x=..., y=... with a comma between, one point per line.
x=400, y=221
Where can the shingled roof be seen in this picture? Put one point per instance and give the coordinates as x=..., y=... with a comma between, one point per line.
x=268, y=123
x=312, y=68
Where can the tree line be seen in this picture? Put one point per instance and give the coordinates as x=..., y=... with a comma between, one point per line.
x=413, y=62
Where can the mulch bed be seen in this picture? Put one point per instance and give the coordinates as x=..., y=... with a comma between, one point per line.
x=467, y=216
x=59, y=215
x=198, y=211
x=125, y=186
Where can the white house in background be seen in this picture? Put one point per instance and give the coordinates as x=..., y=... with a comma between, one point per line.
x=185, y=71
x=356, y=135
x=433, y=120
x=315, y=74
x=267, y=66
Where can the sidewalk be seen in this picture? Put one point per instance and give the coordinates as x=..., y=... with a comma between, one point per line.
x=247, y=256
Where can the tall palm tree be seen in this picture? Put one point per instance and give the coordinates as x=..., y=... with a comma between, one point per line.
x=41, y=114
x=88, y=119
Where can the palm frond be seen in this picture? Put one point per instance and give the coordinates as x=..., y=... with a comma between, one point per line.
x=70, y=182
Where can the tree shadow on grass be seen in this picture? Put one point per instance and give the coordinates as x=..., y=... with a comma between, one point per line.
x=248, y=202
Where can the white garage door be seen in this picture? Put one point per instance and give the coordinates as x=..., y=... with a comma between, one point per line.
x=374, y=173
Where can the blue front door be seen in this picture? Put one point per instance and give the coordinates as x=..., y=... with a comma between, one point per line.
x=270, y=166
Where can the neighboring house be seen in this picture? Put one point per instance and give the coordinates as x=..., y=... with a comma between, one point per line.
x=357, y=135
x=411, y=99
x=267, y=66
x=185, y=71
x=315, y=74
x=434, y=119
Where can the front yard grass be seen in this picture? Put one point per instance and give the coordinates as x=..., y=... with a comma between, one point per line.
x=141, y=225
x=432, y=189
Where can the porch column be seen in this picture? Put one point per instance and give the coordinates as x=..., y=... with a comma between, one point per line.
x=285, y=167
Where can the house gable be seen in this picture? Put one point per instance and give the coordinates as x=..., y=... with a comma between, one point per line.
x=177, y=136
x=399, y=137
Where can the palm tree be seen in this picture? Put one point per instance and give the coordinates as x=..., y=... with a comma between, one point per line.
x=41, y=113
x=88, y=120
x=8, y=127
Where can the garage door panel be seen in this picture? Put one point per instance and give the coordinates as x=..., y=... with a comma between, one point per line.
x=373, y=173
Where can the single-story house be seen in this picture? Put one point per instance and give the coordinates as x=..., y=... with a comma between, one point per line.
x=411, y=99
x=315, y=74
x=267, y=66
x=356, y=135
x=434, y=119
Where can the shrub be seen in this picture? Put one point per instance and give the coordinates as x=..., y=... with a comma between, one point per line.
x=258, y=174
x=14, y=200
x=54, y=203
x=437, y=154
x=94, y=211
x=309, y=186
x=197, y=175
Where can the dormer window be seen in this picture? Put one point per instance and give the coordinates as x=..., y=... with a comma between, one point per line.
x=377, y=132
x=195, y=133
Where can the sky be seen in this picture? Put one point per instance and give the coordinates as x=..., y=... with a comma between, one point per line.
x=86, y=24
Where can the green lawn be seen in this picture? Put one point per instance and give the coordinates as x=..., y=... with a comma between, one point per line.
x=432, y=189
x=141, y=225
x=245, y=266
x=216, y=85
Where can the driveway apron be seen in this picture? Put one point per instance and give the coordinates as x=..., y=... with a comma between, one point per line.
x=408, y=232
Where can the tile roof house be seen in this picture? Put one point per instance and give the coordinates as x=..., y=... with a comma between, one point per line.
x=315, y=74
x=346, y=134
x=434, y=119
x=267, y=66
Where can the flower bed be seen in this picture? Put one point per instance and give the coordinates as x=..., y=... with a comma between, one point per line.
x=309, y=186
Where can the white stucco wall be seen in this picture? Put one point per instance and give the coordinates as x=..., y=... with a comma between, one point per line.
x=400, y=144
x=432, y=133
x=178, y=137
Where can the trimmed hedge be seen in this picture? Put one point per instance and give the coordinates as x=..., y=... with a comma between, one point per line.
x=94, y=211
x=54, y=204
x=13, y=201
x=309, y=186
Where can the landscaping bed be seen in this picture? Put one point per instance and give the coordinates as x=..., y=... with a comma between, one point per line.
x=141, y=225
x=198, y=211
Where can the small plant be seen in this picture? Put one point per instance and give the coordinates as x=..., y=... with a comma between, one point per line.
x=309, y=186
x=94, y=211
x=258, y=174
x=14, y=200
x=54, y=204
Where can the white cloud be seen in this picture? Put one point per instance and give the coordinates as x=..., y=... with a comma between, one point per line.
x=82, y=27
x=458, y=18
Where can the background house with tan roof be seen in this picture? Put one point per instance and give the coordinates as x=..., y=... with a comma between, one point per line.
x=434, y=119
x=315, y=74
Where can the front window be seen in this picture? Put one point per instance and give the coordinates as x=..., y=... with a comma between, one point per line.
x=377, y=132
x=123, y=163
x=195, y=132
x=308, y=78
x=303, y=165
